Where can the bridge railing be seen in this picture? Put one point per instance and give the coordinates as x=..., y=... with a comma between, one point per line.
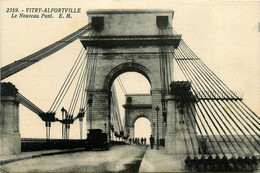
x=39, y=144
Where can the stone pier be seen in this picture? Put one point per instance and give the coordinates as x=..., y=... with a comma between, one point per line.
x=9, y=120
x=181, y=136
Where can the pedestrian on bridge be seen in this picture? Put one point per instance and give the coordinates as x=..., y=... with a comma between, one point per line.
x=142, y=141
x=130, y=140
x=151, y=141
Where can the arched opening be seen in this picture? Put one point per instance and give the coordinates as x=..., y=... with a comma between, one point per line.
x=142, y=129
x=129, y=83
x=128, y=67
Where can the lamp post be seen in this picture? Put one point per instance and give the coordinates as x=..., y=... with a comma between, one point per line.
x=157, y=144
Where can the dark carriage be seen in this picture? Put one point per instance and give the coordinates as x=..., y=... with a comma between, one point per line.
x=96, y=139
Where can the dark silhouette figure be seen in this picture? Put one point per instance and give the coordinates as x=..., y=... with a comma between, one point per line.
x=130, y=140
x=138, y=141
x=151, y=141
x=142, y=141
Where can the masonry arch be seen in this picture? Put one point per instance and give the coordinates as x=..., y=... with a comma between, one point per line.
x=132, y=115
x=143, y=129
x=132, y=123
x=127, y=67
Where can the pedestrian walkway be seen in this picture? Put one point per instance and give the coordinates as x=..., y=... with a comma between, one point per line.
x=160, y=161
x=33, y=154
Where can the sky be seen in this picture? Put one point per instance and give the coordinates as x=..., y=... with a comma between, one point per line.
x=224, y=34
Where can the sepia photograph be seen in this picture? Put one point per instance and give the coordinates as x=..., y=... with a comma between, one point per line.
x=130, y=86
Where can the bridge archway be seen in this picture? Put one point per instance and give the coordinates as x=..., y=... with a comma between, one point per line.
x=137, y=106
x=117, y=52
x=142, y=127
x=126, y=77
x=127, y=67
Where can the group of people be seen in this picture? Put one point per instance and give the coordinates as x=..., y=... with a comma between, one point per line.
x=142, y=141
x=137, y=141
x=223, y=164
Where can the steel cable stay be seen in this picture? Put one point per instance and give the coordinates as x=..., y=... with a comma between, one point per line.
x=241, y=161
x=92, y=69
x=27, y=103
x=114, y=96
x=80, y=86
x=213, y=147
x=190, y=78
x=256, y=148
x=204, y=84
x=240, y=121
x=77, y=89
x=212, y=79
x=223, y=130
x=67, y=80
x=242, y=117
x=196, y=90
x=210, y=160
x=193, y=148
x=214, y=110
x=80, y=83
x=235, y=103
x=81, y=90
x=228, y=92
x=204, y=127
x=242, y=132
x=14, y=67
x=88, y=76
x=115, y=110
x=189, y=132
x=194, y=128
x=182, y=129
x=228, y=128
x=89, y=96
x=113, y=117
x=248, y=147
x=121, y=85
x=246, y=122
x=225, y=87
x=67, y=87
x=165, y=68
x=117, y=117
x=85, y=82
x=216, y=90
x=192, y=118
x=68, y=119
x=90, y=85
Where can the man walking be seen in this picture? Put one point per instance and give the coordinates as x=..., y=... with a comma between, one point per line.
x=151, y=141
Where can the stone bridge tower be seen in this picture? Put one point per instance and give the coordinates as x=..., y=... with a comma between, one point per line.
x=137, y=106
x=127, y=41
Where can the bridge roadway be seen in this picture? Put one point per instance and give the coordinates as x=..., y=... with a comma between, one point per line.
x=124, y=158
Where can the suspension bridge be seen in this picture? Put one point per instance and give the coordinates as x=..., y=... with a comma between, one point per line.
x=200, y=118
